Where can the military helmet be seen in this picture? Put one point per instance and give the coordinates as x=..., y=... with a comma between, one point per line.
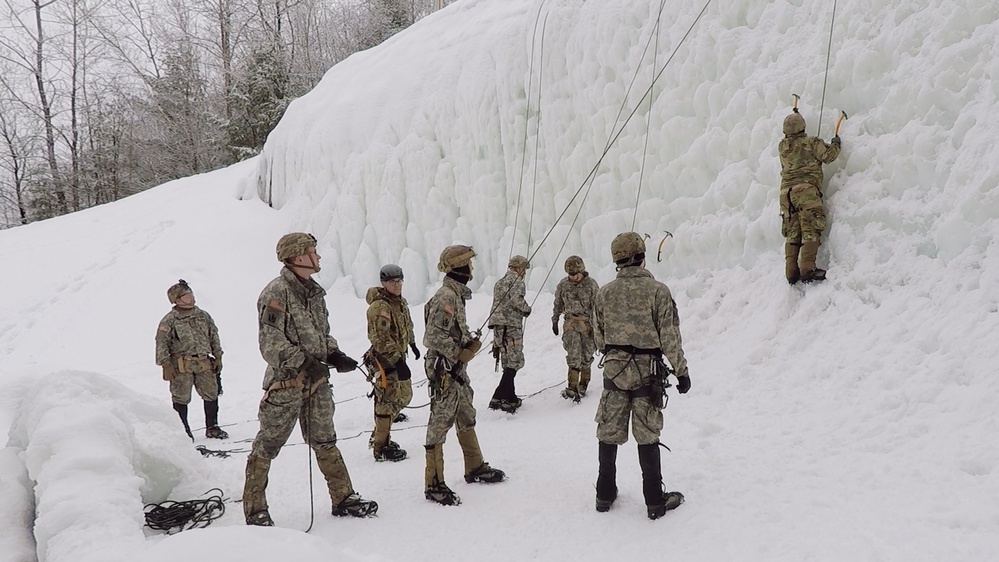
x=295, y=244
x=519, y=262
x=794, y=123
x=178, y=290
x=454, y=257
x=390, y=272
x=574, y=265
x=628, y=248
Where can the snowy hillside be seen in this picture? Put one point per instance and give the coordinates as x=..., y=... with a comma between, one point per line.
x=852, y=420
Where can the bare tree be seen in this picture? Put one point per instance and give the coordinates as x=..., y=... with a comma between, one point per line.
x=14, y=162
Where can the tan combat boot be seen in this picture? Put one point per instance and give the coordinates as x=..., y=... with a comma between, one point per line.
x=584, y=381
x=571, y=391
x=476, y=470
x=254, y=492
x=791, y=262
x=436, y=490
x=809, y=250
x=334, y=470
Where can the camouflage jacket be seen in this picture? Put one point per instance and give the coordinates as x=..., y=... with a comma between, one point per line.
x=509, y=306
x=575, y=299
x=636, y=310
x=446, y=327
x=186, y=332
x=390, y=327
x=801, y=159
x=293, y=322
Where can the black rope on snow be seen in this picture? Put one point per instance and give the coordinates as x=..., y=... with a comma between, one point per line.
x=648, y=122
x=219, y=453
x=822, y=103
x=185, y=515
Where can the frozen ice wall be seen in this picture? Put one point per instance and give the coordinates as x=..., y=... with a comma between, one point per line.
x=434, y=136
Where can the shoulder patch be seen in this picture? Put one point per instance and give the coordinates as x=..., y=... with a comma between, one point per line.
x=273, y=314
x=385, y=314
x=448, y=309
x=163, y=327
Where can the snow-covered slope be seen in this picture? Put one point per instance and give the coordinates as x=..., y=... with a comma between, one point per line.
x=852, y=420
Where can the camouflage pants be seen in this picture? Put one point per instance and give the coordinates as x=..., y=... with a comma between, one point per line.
x=201, y=378
x=511, y=342
x=577, y=339
x=281, y=409
x=449, y=407
x=612, y=418
x=394, y=397
x=803, y=217
x=617, y=407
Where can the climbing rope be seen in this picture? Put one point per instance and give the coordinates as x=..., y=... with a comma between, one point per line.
x=648, y=122
x=588, y=181
x=825, y=79
x=537, y=133
x=527, y=119
x=185, y=515
x=591, y=177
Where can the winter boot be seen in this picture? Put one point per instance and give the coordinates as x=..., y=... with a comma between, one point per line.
x=476, y=470
x=438, y=492
x=181, y=410
x=657, y=501
x=486, y=474
x=505, y=391
x=390, y=454
x=212, y=429
x=584, y=381
x=383, y=448
x=255, y=491
x=571, y=391
x=791, y=262
x=354, y=506
x=809, y=273
x=508, y=406
x=606, y=476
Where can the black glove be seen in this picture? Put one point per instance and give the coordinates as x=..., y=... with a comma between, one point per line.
x=341, y=361
x=555, y=327
x=835, y=140
x=683, y=384
x=218, y=381
x=526, y=314
x=416, y=350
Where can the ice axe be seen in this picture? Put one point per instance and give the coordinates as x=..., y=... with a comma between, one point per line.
x=842, y=116
x=659, y=254
x=794, y=108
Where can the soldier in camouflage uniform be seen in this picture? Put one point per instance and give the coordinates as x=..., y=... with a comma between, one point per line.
x=635, y=325
x=506, y=320
x=450, y=347
x=803, y=217
x=188, y=350
x=390, y=331
x=574, y=298
x=295, y=341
